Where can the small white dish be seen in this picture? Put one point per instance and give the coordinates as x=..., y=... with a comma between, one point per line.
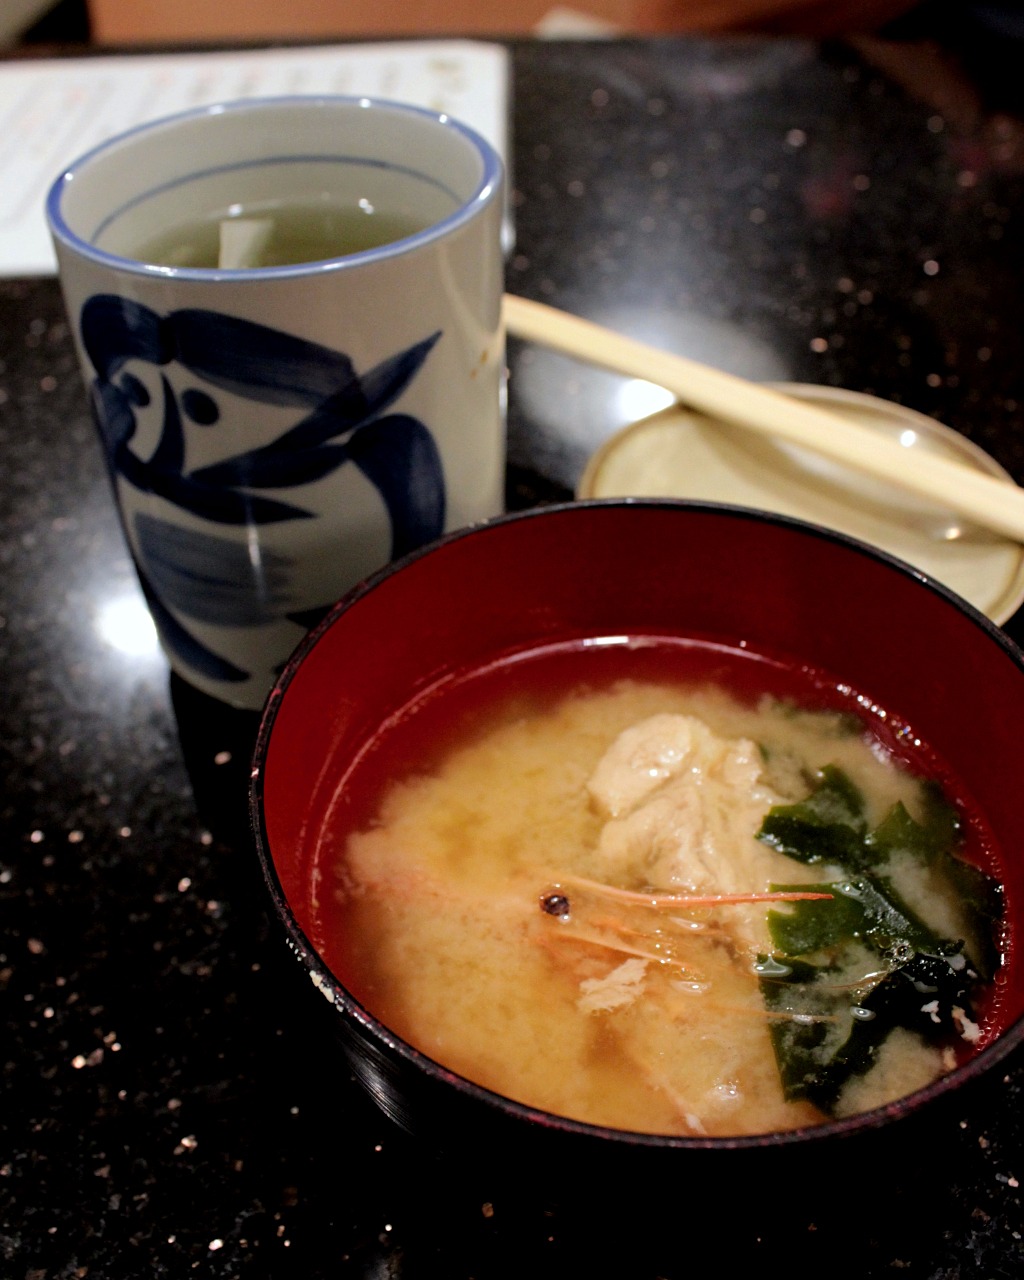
x=679, y=453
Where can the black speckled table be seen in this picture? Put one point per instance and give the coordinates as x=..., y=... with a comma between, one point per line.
x=172, y=1102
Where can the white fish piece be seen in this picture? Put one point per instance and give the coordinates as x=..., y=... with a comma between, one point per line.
x=620, y=987
x=685, y=804
x=640, y=759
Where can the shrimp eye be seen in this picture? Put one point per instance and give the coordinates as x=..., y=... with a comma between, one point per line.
x=555, y=904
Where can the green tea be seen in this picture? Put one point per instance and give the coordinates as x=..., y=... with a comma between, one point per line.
x=277, y=234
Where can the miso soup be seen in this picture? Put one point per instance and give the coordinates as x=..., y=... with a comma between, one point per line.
x=665, y=887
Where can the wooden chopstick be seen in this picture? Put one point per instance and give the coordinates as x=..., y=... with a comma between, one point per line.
x=987, y=501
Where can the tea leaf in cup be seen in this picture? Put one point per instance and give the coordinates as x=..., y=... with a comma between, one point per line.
x=243, y=242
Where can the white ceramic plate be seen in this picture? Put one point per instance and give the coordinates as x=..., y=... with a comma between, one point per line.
x=682, y=454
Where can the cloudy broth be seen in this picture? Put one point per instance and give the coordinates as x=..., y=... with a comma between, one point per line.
x=488, y=897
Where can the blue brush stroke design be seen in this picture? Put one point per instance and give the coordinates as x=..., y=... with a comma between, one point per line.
x=257, y=362
x=213, y=579
x=184, y=645
x=309, y=618
x=260, y=364
x=345, y=421
x=400, y=457
x=303, y=449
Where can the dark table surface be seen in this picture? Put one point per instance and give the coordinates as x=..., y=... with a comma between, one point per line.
x=173, y=1103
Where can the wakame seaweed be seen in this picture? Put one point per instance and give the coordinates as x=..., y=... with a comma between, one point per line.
x=832, y=1027
x=827, y=826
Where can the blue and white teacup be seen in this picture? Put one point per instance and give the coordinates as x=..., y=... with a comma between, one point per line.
x=275, y=433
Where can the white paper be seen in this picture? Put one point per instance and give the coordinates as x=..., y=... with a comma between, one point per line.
x=51, y=111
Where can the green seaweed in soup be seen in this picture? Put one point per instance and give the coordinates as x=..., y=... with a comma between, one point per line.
x=848, y=971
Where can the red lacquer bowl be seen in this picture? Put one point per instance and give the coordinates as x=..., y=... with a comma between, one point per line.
x=591, y=569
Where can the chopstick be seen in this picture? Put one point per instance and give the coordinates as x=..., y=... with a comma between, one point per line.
x=989, y=502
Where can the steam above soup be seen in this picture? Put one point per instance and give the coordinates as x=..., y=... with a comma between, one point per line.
x=666, y=888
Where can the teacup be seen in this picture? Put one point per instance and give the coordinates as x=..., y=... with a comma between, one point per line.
x=274, y=433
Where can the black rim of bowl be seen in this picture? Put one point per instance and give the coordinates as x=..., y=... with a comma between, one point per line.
x=388, y=1042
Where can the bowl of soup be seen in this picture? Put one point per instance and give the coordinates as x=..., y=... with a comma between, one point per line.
x=652, y=826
